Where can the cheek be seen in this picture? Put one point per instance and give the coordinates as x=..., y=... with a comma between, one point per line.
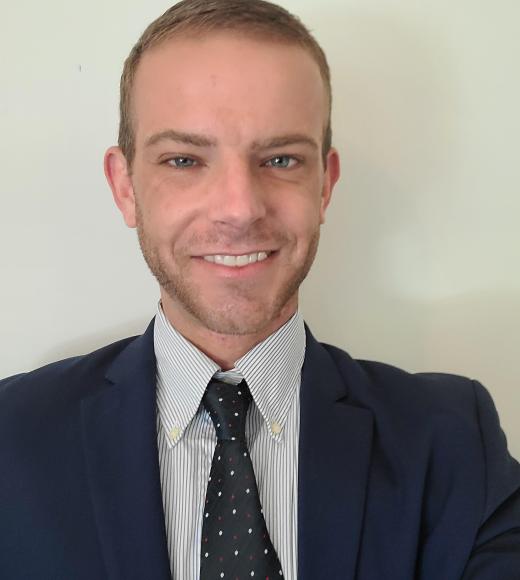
x=163, y=212
x=310, y=206
x=301, y=221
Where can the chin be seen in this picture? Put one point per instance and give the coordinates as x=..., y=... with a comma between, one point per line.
x=236, y=317
x=236, y=321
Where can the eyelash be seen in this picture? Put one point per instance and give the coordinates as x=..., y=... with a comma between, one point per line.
x=171, y=161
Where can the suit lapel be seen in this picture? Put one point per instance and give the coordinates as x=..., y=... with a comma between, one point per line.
x=120, y=443
x=334, y=457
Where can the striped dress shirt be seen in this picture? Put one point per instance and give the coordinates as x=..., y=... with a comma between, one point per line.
x=186, y=437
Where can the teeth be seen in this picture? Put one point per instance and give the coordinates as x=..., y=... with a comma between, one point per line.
x=243, y=260
x=237, y=261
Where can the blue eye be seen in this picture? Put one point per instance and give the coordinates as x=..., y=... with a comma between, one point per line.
x=181, y=162
x=282, y=161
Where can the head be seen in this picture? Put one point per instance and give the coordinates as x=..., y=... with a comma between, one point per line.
x=256, y=18
x=224, y=164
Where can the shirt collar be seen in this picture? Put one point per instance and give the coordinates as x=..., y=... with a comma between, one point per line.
x=271, y=369
x=183, y=373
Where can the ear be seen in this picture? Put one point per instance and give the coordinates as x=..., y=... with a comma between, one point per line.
x=332, y=173
x=118, y=177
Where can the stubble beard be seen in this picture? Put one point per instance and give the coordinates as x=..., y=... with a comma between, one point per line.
x=228, y=318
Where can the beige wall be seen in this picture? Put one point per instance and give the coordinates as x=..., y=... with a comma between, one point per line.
x=420, y=255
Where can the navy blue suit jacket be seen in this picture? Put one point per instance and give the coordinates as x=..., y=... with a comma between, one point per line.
x=401, y=476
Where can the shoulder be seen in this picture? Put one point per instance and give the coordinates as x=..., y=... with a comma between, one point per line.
x=433, y=419
x=67, y=378
x=388, y=380
x=415, y=401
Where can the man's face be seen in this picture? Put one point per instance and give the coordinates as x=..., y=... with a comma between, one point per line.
x=228, y=187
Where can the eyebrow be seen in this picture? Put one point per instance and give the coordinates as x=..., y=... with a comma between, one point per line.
x=284, y=141
x=205, y=141
x=180, y=137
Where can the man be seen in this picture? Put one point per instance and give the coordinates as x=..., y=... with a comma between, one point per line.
x=117, y=464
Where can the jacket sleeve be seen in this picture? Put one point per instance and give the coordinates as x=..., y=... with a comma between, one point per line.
x=496, y=549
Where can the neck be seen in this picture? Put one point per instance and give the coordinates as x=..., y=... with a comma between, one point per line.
x=224, y=349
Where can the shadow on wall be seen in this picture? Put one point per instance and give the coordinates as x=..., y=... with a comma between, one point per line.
x=472, y=323
x=395, y=125
x=86, y=344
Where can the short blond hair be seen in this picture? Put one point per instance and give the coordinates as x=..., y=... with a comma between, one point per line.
x=259, y=18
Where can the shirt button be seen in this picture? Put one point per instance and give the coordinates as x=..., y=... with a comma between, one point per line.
x=276, y=428
x=174, y=433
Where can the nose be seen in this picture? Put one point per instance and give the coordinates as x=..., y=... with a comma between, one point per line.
x=237, y=196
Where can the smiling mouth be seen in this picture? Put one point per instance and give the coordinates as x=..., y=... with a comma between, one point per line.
x=237, y=261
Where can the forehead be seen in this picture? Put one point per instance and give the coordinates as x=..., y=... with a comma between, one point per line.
x=228, y=83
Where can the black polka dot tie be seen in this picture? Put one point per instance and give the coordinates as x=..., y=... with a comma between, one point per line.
x=235, y=541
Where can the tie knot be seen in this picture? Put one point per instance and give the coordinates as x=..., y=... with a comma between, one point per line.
x=227, y=406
